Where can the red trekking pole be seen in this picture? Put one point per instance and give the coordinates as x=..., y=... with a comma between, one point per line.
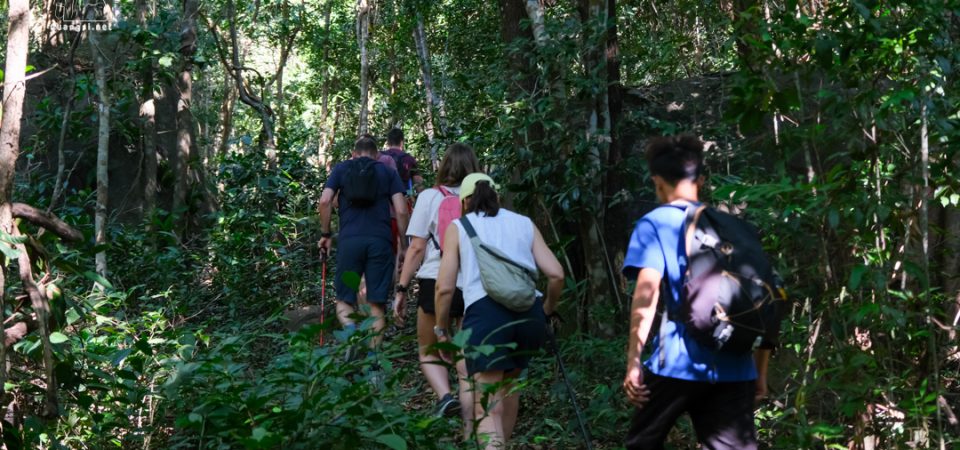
x=323, y=288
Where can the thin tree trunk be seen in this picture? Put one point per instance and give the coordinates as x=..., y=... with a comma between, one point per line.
x=14, y=87
x=323, y=147
x=148, y=123
x=286, y=49
x=103, y=152
x=64, y=126
x=433, y=98
x=226, y=115
x=364, y=9
x=41, y=306
x=597, y=123
x=267, y=136
x=188, y=47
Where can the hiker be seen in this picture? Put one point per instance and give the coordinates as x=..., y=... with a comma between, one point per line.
x=406, y=166
x=406, y=163
x=365, y=189
x=426, y=236
x=490, y=322
x=682, y=375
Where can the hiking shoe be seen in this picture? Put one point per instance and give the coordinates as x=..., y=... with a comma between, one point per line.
x=447, y=406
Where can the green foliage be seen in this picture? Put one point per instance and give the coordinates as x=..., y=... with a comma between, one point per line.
x=305, y=397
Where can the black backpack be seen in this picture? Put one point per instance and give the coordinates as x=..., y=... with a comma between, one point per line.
x=360, y=182
x=733, y=299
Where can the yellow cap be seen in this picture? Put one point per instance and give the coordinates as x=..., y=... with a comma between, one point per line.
x=469, y=183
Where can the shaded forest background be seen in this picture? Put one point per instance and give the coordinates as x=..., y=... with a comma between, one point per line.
x=158, y=194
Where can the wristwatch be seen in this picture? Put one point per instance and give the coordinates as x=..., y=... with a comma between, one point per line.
x=440, y=332
x=401, y=288
x=326, y=235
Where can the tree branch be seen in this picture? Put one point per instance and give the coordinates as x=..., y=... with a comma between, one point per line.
x=48, y=221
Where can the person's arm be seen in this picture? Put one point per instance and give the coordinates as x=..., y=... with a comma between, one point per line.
x=411, y=262
x=548, y=264
x=447, y=281
x=643, y=310
x=324, y=209
x=403, y=217
x=761, y=357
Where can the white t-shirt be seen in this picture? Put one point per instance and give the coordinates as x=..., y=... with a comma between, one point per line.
x=423, y=224
x=508, y=232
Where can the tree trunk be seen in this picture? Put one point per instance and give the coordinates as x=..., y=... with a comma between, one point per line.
x=148, y=124
x=18, y=36
x=520, y=68
x=58, y=186
x=433, y=98
x=420, y=42
x=326, y=132
x=267, y=136
x=103, y=151
x=744, y=28
x=602, y=285
x=226, y=115
x=182, y=170
x=364, y=9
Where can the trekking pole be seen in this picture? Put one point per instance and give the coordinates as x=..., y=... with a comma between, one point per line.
x=323, y=288
x=552, y=344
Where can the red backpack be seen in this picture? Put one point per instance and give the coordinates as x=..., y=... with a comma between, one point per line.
x=448, y=212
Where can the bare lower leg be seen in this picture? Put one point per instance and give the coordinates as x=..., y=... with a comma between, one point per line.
x=379, y=313
x=511, y=405
x=430, y=364
x=466, y=399
x=345, y=311
x=490, y=431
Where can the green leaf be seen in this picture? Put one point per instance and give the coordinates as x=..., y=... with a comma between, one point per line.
x=393, y=441
x=9, y=251
x=351, y=280
x=165, y=61
x=72, y=316
x=833, y=218
x=856, y=276
x=259, y=433
x=58, y=338
x=97, y=278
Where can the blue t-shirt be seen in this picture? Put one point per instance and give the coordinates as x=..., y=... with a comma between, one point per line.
x=374, y=220
x=656, y=244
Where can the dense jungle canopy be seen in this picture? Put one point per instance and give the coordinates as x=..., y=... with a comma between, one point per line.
x=161, y=163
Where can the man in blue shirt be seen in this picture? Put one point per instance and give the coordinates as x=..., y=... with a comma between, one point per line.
x=717, y=389
x=365, y=244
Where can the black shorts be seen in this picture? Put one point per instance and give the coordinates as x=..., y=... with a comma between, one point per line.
x=425, y=299
x=722, y=413
x=493, y=324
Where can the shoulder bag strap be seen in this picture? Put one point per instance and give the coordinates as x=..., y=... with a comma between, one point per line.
x=468, y=227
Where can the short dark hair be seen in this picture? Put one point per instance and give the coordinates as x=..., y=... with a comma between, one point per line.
x=484, y=199
x=366, y=145
x=675, y=158
x=395, y=137
x=457, y=163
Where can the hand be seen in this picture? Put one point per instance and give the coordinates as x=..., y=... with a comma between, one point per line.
x=399, y=308
x=325, y=244
x=637, y=393
x=761, y=393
